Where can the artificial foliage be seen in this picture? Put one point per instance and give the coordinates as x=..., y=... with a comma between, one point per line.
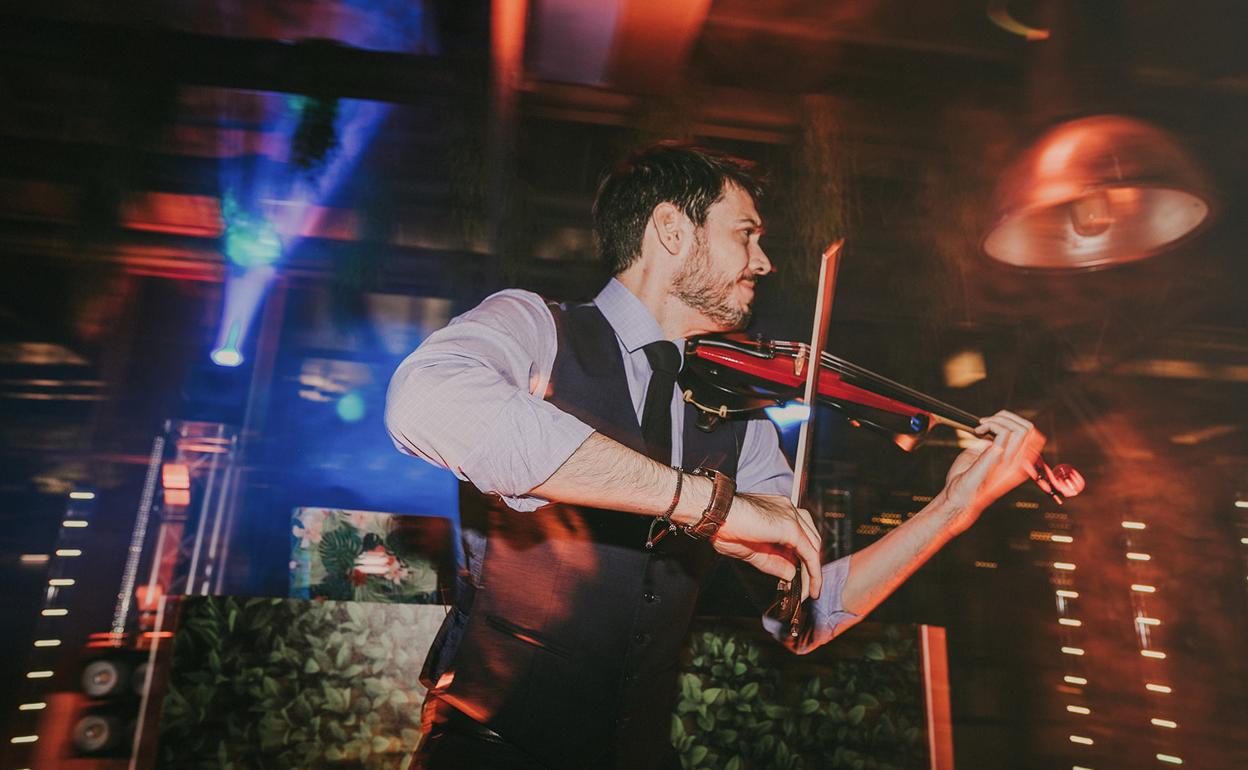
x=358, y=556
x=745, y=703
x=277, y=684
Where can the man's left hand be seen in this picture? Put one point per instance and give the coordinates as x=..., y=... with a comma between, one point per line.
x=982, y=474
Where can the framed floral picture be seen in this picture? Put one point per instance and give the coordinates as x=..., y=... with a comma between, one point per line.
x=367, y=556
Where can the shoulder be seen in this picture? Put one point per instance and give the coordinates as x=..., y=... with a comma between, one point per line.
x=513, y=310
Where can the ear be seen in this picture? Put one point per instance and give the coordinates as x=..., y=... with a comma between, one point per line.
x=669, y=225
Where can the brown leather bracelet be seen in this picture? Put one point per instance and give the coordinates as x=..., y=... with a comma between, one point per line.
x=722, y=490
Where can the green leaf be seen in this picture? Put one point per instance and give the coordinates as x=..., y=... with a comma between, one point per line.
x=809, y=706
x=710, y=694
x=706, y=722
x=738, y=668
x=734, y=763
x=749, y=691
x=868, y=700
x=698, y=754
x=856, y=714
x=310, y=667
x=678, y=729
x=729, y=649
x=874, y=651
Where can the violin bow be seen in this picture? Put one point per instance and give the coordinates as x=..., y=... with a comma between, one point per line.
x=807, y=364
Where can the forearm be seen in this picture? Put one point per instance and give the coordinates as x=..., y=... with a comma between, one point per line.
x=877, y=571
x=603, y=473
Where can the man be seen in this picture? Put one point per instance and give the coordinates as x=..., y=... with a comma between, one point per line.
x=561, y=648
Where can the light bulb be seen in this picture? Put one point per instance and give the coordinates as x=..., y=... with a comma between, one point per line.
x=1090, y=215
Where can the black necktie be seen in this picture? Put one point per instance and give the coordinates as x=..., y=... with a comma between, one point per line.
x=656, y=415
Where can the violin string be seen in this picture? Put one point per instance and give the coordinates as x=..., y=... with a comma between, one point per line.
x=843, y=367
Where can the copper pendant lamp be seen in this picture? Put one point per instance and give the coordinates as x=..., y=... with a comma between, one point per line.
x=1096, y=192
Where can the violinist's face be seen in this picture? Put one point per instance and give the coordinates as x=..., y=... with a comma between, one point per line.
x=717, y=278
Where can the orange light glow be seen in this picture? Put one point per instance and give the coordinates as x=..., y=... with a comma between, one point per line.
x=177, y=497
x=175, y=476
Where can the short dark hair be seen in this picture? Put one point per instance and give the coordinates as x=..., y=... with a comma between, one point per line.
x=690, y=178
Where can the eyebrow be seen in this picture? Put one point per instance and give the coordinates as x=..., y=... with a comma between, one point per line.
x=750, y=221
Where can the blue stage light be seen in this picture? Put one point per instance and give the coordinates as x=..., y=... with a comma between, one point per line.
x=227, y=354
x=251, y=243
x=351, y=407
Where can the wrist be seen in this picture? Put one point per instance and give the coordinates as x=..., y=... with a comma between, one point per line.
x=955, y=516
x=694, y=499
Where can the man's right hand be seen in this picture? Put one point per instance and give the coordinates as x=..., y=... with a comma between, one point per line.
x=768, y=533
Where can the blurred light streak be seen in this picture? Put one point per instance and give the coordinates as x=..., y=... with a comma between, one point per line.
x=1072, y=650
x=1154, y=654
x=789, y=415
x=81, y=495
x=33, y=558
x=1161, y=688
x=1133, y=525
x=54, y=612
x=1063, y=565
x=68, y=552
x=75, y=523
x=1170, y=758
x=1143, y=621
x=47, y=642
x=1081, y=739
x=1062, y=539
x=1143, y=589
x=1079, y=709
x=39, y=674
x=1133, y=556
x=965, y=369
x=1164, y=722
x=24, y=739
x=1070, y=622
x=61, y=582
x=37, y=706
x=1065, y=594
x=1079, y=680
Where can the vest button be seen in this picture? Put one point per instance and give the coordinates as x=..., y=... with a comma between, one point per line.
x=649, y=597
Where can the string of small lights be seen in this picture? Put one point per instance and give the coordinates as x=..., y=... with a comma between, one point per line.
x=1142, y=573
x=61, y=573
x=1062, y=572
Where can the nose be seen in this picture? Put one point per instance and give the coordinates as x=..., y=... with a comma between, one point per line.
x=759, y=262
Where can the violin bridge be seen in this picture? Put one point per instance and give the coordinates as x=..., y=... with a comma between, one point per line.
x=799, y=361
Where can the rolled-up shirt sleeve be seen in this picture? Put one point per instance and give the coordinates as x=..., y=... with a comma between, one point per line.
x=826, y=614
x=470, y=399
x=764, y=470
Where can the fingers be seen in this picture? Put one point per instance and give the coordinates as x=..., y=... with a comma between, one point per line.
x=1023, y=441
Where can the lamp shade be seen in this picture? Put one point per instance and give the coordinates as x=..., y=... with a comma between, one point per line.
x=1095, y=192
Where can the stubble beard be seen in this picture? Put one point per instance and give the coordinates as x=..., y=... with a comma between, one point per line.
x=698, y=286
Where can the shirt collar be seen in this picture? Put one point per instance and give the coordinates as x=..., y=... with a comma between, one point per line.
x=632, y=321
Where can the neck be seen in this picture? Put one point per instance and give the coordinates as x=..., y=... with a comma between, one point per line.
x=676, y=319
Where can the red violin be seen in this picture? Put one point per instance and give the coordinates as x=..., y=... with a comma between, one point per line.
x=733, y=375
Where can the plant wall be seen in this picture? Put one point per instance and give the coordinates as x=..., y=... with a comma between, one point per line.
x=746, y=703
